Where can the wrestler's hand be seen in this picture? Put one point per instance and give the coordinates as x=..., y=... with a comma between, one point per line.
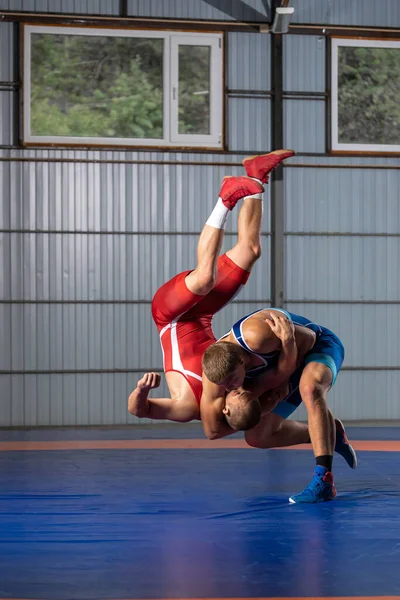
x=282, y=327
x=148, y=382
x=280, y=392
x=270, y=399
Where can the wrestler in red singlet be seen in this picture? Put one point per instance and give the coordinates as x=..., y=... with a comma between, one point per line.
x=184, y=319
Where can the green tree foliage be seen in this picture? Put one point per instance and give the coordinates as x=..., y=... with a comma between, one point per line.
x=194, y=89
x=96, y=86
x=369, y=95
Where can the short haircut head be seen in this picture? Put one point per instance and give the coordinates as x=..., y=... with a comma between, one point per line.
x=220, y=360
x=243, y=410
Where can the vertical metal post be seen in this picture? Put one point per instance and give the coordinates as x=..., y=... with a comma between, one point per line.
x=17, y=92
x=328, y=89
x=123, y=8
x=225, y=120
x=277, y=195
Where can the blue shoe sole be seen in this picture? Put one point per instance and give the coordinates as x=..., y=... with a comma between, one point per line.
x=293, y=500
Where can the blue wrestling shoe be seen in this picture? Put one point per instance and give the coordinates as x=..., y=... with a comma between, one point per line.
x=320, y=489
x=343, y=446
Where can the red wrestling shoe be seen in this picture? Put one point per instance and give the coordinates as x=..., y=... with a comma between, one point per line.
x=260, y=166
x=235, y=188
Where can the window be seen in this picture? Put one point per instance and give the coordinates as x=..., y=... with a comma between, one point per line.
x=115, y=87
x=365, y=95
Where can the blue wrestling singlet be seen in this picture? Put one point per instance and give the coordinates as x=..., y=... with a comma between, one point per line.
x=328, y=350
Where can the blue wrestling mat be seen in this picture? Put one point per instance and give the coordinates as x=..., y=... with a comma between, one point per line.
x=193, y=523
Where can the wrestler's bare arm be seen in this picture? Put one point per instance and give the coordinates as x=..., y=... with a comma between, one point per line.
x=140, y=405
x=212, y=404
x=278, y=375
x=267, y=333
x=276, y=332
x=271, y=398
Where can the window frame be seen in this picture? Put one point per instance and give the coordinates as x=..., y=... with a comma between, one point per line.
x=215, y=44
x=171, y=138
x=340, y=147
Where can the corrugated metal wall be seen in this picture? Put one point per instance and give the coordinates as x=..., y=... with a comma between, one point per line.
x=384, y=13
x=342, y=269
x=246, y=10
x=342, y=228
x=381, y=13
x=90, y=7
x=85, y=244
x=84, y=247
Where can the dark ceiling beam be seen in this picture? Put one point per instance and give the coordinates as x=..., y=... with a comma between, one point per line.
x=123, y=8
x=126, y=22
x=267, y=7
x=344, y=30
x=240, y=11
x=191, y=24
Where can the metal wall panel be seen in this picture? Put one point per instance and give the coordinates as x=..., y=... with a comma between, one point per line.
x=249, y=59
x=304, y=63
x=5, y=189
x=343, y=200
x=343, y=268
x=111, y=197
x=385, y=13
x=357, y=161
x=6, y=399
x=248, y=10
x=249, y=124
x=6, y=337
x=68, y=337
x=189, y=9
x=367, y=331
x=44, y=400
x=6, y=262
x=6, y=117
x=144, y=221
x=304, y=125
x=62, y=272
x=362, y=395
x=367, y=395
x=6, y=54
x=88, y=232
x=104, y=267
x=382, y=13
x=353, y=268
x=90, y=337
x=87, y=192
x=91, y=399
x=74, y=266
x=90, y=7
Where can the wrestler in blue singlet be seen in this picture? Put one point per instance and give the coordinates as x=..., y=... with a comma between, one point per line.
x=328, y=350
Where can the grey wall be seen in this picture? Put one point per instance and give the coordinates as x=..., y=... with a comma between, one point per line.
x=85, y=241
x=103, y=7
x=381, y=13
x=244, y=10
x=89, y=246
x=374, y=13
